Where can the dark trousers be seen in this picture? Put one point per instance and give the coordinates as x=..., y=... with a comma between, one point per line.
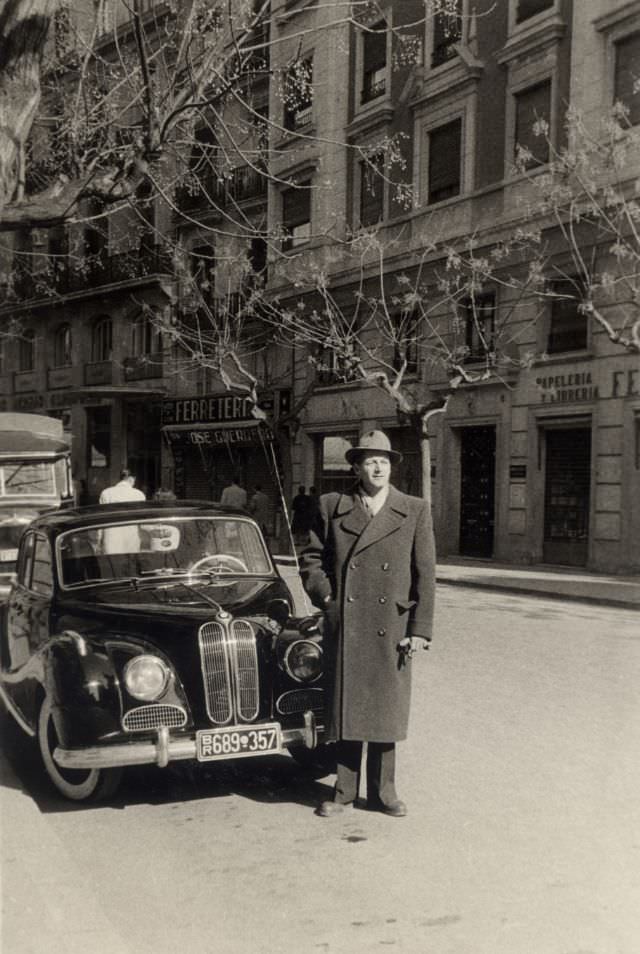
x=381, y=772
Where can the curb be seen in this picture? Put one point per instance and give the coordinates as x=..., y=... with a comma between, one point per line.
x=541, y=594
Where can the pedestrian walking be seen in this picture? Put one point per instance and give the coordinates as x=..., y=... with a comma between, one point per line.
x=301, y=520
x=123, y=490
x=260, y=508
x=234, y=495
x=370, y=564
x=124, y=538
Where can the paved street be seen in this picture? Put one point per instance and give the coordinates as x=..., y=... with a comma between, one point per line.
x=523, y=836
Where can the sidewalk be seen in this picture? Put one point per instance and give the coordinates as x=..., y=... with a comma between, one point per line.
x=554, y=582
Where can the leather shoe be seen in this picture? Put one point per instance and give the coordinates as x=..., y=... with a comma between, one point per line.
x=329, y=809
x=396, y=809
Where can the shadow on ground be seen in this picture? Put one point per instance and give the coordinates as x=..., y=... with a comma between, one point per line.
x=269, y=779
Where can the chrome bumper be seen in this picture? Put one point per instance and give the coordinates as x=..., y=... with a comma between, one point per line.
x=164, y=749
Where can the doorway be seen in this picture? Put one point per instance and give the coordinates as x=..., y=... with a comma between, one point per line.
x=477, y=490
x=567, y=496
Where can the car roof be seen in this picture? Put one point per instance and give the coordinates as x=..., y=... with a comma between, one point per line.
x=75, y=518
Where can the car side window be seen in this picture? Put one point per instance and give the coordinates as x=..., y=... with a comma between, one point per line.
x=25, y=559
x=42, y=574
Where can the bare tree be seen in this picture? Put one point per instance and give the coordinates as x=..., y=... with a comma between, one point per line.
x=584, y=218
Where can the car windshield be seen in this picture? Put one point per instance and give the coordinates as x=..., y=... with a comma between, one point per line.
x=155, y=548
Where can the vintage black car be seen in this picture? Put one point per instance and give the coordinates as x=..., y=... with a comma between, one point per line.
x=143, y=633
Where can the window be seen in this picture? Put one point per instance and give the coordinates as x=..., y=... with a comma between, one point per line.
x=533, y=105
x=374, y=62
x=42, y=575
x=447, y=31
x=406, y=341
x=567, y=327
x=298, y=94
x=145, y=337
x=62, y=347
x=296, y=216
x=98, y=436
x=627, y=76
x=204, y=159
x=480, y=325
x=529, y=8
x=202, y=265
x=257, y=259
x=102, y=339
x=335, y=472
x=444, y=161
x=27, y=351
x=372, y=191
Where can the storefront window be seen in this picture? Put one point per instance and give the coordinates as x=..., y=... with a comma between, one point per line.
x=335, y=472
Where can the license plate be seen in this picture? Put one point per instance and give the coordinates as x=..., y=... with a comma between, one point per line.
x=8, y=556
x=237, y=741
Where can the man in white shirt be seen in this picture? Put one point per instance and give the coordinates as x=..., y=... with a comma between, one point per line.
x=121, y=539
x=234, y=495
x=123, y=490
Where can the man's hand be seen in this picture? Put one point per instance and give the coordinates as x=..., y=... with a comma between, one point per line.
x=411, y=644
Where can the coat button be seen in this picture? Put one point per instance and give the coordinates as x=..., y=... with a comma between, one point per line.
x=385, y=566
x=354, y=566
x=350, y=599
x=382, y=632
x=382, y=599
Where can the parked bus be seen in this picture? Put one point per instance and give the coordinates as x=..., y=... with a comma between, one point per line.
x=35, y=475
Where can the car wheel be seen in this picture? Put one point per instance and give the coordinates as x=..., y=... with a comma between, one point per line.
x=321, y=760
x=79, y=785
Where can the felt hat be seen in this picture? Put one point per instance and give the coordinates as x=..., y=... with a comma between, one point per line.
x=373, y=442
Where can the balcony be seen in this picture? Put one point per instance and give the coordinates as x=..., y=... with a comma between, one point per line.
x=98, y=372
x=240, y=184
x=100, y=269
x=144, y=366
x=24, y=381
x=60, y=377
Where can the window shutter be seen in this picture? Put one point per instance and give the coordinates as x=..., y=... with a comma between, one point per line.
x=296, y=206
x=532, y=105
x=375, y=48
x=627, y=74
x=444, y=161
x=371, y=191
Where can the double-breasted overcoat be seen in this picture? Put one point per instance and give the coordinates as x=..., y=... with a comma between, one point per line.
x=379, y=573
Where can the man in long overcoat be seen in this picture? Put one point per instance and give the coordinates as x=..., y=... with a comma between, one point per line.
x=370, y=564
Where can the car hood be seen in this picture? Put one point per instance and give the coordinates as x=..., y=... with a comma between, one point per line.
x=198, y=600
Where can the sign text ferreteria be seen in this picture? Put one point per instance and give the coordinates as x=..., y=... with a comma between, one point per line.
x=208, y=409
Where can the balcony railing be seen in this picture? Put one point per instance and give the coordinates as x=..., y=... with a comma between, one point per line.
x=143, y=366
x=98, y=372
x=96, y=270
x=238, y=185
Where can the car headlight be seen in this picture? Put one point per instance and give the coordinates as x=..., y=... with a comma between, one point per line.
x=146, y=677
x=303, y=660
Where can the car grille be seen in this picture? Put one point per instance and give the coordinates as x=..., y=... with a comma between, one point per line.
x=230, y=671
x=152, y=717
x=300, y=700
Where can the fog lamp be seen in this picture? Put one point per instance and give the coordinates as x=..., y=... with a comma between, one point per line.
x=303, y=660
x=146, y=677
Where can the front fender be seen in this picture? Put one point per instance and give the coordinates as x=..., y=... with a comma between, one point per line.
x=84, y=689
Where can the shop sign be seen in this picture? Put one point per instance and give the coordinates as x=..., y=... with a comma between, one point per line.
x=208, y=409
x=222, y=437
x=569, y=386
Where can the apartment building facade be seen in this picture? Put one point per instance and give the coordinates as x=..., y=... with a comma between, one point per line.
x=540, y=465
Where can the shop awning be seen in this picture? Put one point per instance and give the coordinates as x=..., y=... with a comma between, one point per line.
x=214, y=425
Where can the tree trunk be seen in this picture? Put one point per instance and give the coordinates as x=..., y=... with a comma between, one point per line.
x=425, y=460
x=24, y=25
